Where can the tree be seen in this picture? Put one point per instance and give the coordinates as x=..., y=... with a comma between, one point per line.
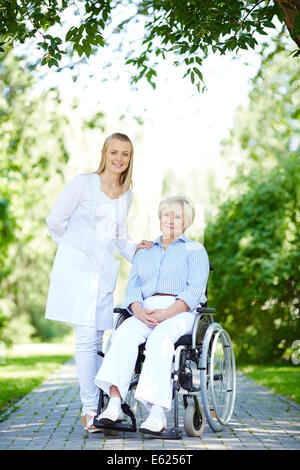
x=254, y=246
x=32, y=152
x=291, y=17
x=190, y=29
x=269, y=128
x=253, y=241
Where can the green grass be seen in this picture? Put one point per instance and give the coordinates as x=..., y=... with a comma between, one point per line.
x=27, y=366
x=281, y=379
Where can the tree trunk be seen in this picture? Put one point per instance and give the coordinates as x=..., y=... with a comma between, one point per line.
x=289, y=16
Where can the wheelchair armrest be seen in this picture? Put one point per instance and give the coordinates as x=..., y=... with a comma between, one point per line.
x=123, y=314
x=199, y=310
x=120, y=310
x=205, y=310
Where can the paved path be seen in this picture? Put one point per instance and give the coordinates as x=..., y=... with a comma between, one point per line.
x=49, y=418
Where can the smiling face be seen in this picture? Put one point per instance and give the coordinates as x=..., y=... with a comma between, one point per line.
x=172, y=222
x=117, y=156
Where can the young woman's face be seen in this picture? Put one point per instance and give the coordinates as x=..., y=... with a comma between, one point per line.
x=117, y=156
x=172, y=222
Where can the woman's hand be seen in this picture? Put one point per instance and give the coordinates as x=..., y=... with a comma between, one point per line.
x=144, y=244
x=160, y=314
x=143, y=314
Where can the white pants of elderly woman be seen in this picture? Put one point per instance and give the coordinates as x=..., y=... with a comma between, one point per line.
x=155, y=385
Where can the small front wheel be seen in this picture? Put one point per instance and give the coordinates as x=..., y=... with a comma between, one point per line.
x=193, y=424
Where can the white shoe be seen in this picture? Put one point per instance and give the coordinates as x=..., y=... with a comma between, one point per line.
x=156, y=421
x=153, y=425
x=110, y=416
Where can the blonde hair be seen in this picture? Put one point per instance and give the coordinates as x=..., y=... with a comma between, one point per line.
x=184, y=203
x=126, y=176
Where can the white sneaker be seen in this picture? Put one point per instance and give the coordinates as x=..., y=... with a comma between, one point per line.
x=156, y=421
x=111, y=414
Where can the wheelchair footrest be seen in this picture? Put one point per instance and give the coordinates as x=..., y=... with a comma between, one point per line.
x=119, y=426
x=116, y=427
x=169, y=433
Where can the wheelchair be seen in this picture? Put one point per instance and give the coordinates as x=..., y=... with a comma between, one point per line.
x=203, y=374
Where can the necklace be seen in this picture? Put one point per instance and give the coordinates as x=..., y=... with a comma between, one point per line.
x=165, y=245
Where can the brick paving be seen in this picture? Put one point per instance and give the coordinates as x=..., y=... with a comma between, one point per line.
x=49, y=418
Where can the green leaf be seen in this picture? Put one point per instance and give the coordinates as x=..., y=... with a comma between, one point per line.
x=197, y=71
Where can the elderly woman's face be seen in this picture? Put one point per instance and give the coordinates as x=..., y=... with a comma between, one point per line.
x=172, y=222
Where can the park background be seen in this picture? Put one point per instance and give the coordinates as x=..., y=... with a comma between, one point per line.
x=232, y=148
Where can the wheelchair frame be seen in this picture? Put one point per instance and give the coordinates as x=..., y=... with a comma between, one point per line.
x=208, y=347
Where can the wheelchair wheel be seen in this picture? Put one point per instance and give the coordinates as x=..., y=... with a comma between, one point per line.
x=193, y=425
x=217, y=377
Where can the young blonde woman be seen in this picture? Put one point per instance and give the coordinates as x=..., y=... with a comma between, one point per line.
x=87, y=222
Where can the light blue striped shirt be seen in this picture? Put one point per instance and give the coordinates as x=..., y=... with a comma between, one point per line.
x=182, y=269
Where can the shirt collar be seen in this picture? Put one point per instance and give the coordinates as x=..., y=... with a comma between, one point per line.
x=182, y=237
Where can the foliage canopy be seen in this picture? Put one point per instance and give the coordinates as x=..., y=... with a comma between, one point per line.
x=32, y=152
x=254, y=240
x=190, y=29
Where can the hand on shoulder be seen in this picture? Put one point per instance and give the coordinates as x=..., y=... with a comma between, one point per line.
x=144, y=244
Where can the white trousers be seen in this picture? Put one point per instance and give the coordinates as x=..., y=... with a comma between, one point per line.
x=88, y=341
x=155, y=385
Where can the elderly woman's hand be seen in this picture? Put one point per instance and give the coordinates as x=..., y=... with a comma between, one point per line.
x=144, y=244
x=160, y=314
x=143, y=314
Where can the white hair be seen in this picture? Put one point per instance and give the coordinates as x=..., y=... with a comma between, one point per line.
x=181, y=201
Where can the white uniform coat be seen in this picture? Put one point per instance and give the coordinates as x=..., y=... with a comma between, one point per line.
x=87, y=226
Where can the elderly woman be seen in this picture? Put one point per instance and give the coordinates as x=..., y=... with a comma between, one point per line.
x=165, y=286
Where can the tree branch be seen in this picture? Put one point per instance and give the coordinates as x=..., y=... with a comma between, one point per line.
x=290, y=15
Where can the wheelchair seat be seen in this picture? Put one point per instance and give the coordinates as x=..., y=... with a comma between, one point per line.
x=185, y=340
